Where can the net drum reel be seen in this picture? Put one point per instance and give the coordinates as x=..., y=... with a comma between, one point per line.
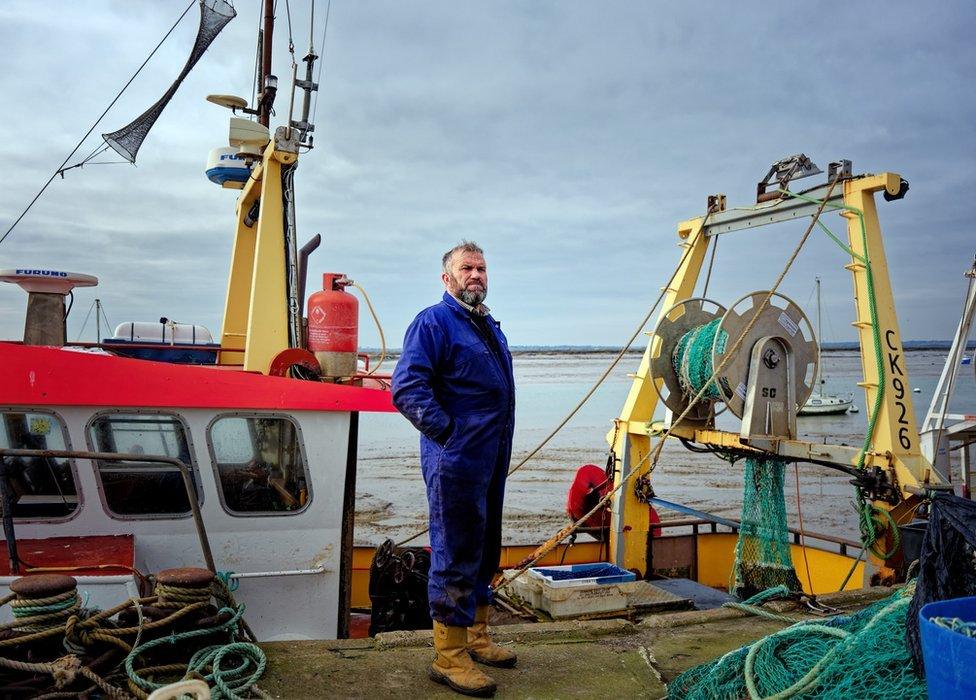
x=764, y=381
x=680, y=320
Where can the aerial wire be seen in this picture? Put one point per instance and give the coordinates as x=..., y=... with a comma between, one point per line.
x=101, y=116
x=711, y=262
x=318, y=77
x=85, y=323
x=291, y=43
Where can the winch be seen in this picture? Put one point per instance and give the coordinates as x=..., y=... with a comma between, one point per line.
x=762, y=352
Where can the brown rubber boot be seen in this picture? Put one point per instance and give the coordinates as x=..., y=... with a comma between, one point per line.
x=453, y=667
x=480, y=646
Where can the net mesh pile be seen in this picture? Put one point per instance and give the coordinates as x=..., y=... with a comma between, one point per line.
x=214, y=16
x=863, y=655
x=762, y=553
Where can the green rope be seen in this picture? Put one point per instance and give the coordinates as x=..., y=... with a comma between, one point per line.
x=20, y=611
x=226, y=577
x=955, y=624
x=227, y=682
x=42, y=614
x=869, y=515
x=751, y=605
x=856, y=656
x=811, y=678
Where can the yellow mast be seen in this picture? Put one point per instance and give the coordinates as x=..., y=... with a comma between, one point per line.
x=256, y=309
x=262, y=310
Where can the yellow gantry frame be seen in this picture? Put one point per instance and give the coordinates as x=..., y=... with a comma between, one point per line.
x=895, y=442
x=256, y=309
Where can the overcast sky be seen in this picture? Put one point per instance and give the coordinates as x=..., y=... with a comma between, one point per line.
x=568, y=139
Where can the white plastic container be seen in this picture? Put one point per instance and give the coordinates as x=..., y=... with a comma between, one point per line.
x=169, y=332
x=571, y=598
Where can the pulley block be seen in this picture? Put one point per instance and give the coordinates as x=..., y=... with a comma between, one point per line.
x=782, y=328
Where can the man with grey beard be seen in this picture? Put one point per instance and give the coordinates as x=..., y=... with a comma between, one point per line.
x=454, y=382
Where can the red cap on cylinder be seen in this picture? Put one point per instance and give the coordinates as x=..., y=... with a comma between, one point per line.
x=333, y=326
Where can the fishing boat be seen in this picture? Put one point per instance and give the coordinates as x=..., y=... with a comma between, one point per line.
x=120, y=464
x=819, y=403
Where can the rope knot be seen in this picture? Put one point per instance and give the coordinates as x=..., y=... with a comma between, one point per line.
x=76, y=634
x=65, y=670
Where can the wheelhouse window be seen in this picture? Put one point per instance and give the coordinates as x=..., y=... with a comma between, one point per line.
x=134, y=488
x=259, y=464
x=41, y=487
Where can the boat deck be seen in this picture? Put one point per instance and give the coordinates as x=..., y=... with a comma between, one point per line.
x=558, y=659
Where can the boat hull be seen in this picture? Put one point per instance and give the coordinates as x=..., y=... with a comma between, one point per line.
x=825, y=406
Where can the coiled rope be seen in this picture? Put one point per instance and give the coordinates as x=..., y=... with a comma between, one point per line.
x=856, y=656
x=231, y=668
x=41, y=614
x=955, y=624
x=227, y=682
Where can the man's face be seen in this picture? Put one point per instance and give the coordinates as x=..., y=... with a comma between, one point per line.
x=468, y=277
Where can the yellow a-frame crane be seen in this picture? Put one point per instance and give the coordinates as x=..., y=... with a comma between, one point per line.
x=891, y=466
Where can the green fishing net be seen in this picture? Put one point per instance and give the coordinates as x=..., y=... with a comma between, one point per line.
x=762, y=554
x=863, y=655
x=692, y=359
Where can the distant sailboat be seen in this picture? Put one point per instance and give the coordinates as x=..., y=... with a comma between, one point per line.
x=819, y=403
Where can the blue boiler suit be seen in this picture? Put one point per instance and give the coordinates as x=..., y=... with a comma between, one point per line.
x=460, y=394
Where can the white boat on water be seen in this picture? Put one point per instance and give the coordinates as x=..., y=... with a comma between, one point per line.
x=825, y=404
x=819, y=403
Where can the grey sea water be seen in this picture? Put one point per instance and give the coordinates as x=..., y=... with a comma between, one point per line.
x=390, y=493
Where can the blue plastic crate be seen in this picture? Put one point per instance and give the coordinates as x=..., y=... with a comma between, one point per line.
x=598, y=573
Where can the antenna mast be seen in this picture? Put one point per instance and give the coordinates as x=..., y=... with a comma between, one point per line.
x=98, y=321
x=267, y=83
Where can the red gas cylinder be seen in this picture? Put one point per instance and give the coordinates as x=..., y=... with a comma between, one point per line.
x=333, y=326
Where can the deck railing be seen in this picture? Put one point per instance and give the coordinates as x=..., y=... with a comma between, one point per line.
x=7, y=501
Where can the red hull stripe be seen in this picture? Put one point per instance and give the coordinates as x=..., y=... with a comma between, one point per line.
x=93, y=555
x=45, y=376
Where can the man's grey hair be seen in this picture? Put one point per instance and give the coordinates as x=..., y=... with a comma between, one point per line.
x=462, y=247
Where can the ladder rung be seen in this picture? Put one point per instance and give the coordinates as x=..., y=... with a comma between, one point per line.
x=854, y=266
x=862, y=324
x=868, y=385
